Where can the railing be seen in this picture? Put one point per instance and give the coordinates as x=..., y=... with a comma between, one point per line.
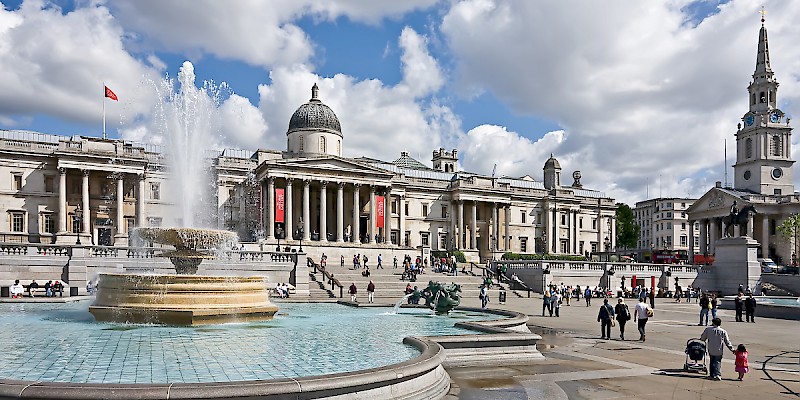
x=329, y=278
x=13, y=249
x=596, y=266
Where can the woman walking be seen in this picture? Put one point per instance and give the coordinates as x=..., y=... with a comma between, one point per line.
x=623, y=315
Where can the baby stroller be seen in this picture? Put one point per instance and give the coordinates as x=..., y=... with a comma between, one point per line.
x=696, y=353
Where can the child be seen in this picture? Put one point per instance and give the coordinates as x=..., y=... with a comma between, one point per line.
x=741, y=361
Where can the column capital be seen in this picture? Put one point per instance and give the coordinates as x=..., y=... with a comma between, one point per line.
x=306, y=182
x=373, y=188
x=289, y=181
x=141, y=176
x=271, y=179
x=324, y=184
x=459, y=202
x=85, y=172
x=62, y=171
x=340, y=185
x=357, y=186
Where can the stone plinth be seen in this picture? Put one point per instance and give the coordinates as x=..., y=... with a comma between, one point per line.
x=735, y=263
x=181, y=299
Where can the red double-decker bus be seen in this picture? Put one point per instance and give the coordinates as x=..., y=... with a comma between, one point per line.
x=670, y=257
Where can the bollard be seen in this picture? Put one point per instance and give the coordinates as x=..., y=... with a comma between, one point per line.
x=502, y=297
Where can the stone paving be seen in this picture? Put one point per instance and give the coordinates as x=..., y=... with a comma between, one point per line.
x=579, y=365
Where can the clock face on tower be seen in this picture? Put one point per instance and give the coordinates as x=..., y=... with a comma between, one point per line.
x=749, y=120
x=774, y=117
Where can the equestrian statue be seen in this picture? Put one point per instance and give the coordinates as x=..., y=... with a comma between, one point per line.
x=737, y=217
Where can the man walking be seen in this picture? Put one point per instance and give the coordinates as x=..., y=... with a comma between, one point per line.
x=380, y=262
x=353, y=290
x=704, y=307
x=739, y=300
x=642, y=313
x=588, y=296
x=623, y=315
x=604, y=317
x=370, y=292
x=716, y=338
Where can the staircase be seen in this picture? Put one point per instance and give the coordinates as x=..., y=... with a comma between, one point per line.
x=389, y=288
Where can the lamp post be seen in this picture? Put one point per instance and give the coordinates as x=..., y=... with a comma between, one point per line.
x=278, y=234
x=79, y=219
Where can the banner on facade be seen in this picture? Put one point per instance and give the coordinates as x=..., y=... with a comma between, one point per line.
x=280, y=205
x=380, y=209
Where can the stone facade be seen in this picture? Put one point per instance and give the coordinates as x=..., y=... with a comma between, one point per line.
x=664, y=225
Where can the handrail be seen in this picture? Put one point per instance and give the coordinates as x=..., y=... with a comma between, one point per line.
x=334, y=282
x=515, y=282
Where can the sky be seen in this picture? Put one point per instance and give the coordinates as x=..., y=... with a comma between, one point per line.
x=641, y=97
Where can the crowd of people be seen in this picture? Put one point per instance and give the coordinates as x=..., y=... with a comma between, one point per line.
x=50, y=289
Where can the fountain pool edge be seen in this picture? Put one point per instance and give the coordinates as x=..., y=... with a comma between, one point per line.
x=422, y=377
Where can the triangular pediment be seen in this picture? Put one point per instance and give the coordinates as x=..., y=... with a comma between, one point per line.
x=328, y=166
x=716, y=201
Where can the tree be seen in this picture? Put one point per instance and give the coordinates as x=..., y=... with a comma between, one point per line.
x=789, y=229
x=627, y=229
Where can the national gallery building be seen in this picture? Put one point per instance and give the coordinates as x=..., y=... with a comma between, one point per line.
x=92, y=191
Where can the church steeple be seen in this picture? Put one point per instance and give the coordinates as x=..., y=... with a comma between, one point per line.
x=763, y=141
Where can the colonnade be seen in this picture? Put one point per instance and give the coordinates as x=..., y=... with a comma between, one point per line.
x=713, y=229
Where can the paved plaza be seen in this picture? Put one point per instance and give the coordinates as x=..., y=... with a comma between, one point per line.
x=579, y=365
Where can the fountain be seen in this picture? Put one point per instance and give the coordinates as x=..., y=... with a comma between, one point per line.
x=441, y=297
x=187, y=120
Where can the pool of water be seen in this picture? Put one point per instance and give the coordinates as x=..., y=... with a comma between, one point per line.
x=779, y=301
x=62, y=343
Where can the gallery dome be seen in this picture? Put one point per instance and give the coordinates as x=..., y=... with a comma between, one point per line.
x=314, y=116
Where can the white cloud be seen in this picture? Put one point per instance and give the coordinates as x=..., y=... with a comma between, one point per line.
x=377, y=120
x=515, y=156
x=244, y=125
x=55, y=64
x=640, y=91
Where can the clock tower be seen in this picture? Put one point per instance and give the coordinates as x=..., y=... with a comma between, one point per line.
x=763, y=140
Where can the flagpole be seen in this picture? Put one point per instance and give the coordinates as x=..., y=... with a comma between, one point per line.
x=104, y=110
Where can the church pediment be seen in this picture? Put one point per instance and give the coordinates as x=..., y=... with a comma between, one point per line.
x=716, y=201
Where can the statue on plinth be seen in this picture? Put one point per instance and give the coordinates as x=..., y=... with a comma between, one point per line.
x=737, y=217
x=442, y=297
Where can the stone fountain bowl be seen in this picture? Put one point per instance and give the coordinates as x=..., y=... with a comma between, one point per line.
x=189, y=238
x=186, y=257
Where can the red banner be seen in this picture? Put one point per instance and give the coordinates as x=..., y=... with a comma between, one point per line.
x=633, y=282
x=380, y=209
x=280, y=205
x=653, y=282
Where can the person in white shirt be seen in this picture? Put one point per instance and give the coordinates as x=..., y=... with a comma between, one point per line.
x=17, y=290
x=642, y=313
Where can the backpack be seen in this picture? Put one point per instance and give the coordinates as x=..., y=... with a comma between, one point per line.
x=626, y=314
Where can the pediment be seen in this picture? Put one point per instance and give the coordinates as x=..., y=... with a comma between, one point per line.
x=329, y=165
x=716, y=201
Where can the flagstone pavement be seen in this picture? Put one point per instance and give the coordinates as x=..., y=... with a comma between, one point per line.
x=579, y=365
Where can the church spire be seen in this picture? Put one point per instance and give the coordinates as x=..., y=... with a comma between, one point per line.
x=762, y=59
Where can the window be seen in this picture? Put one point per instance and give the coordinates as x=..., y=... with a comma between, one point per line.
x=407, y=239
x=424, y=238
x=776, y=145
x=323, y=147
x=49, y=184
x=684, y=241
x=669, y=215
x=17, y=221
x=442, y=241
x=155, y=222
x=405, y=211
x=130, y=223
x=580, y=222
x=538, y=218
x=776, y=192
x=155, y=191
x=762, y=97
x=580, y=247
x=683, y=225
x=683, y=215
x=424, y=210
x=523, y=244
x=393, y=236
x=48, y=223
x=748, y=148
x=594, y=224
x=394, y=208
x=302, y=143
x=17, y=181
x=523, y=215
x=563, y=219
x=683, y=205
x=594, y=247
x=444, y=211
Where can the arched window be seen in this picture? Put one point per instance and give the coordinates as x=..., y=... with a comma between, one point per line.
x=753, y=99
x=763, y=97
x=748, y=148
x=776, y=145
x=323, y=147
x=302, y=143
x=771, y=96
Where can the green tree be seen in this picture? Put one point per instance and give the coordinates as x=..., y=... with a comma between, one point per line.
x=789, y=229
x=627, y=229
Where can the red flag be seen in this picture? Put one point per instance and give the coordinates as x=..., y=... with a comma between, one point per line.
x=279, y=205
x=110, y=94
x=380, y=205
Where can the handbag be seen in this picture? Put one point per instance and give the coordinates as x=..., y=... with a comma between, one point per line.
x=613, y=324
x=649, y=312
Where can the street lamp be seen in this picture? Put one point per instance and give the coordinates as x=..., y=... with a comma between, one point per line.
x=79, y=219
x=278, y=234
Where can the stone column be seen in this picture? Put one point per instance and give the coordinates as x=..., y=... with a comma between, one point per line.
x=402, y=212
x=323, y=211
x=703, y=236
x=473, y=242
x=387, y=216
x=140, y=214
x=549, y=233
x=62, y=200
x=495, y=230
x=87, y=217
x=356, y=231
x=557, y=231
x=270, y=228
x=373, y=220
x=306, y=211
x=120, y=204
x=750, y=222
x=340, y=212
x=713, y=235
x=507, y=215
x=461, y=238
x=287, y=217
x=691, y=241
x=764, y=236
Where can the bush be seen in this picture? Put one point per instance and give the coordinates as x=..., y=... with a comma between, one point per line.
x=443, y=254
x=538, y=257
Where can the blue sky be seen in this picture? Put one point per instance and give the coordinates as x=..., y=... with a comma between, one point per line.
x=506, y=82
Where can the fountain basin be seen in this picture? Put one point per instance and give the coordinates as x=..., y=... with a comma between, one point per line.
x=181, y=299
